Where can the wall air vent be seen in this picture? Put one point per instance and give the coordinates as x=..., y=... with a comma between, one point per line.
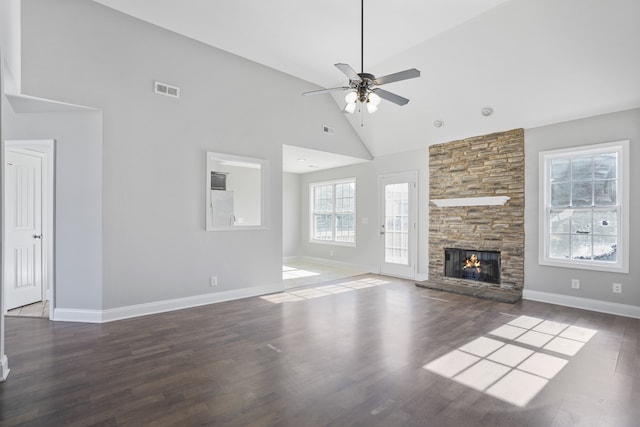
x=167, y=90
x=328, y=130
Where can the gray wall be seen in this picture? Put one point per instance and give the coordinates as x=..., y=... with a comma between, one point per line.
x=3, y=357
x=10, y=42
x=78, y=204
x=593, y=284
x=290, y=214
x=154, y=246
x=368, y=251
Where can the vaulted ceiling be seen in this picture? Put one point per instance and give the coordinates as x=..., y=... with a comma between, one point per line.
x=535, y=62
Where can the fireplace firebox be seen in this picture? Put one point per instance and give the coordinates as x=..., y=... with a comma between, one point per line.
x=481, y=266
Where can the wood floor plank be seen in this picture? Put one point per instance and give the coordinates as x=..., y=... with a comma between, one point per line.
x=353, y=358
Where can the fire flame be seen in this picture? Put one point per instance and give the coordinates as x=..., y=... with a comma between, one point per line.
x=472, y=262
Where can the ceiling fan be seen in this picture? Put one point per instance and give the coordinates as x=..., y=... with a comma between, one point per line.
x=363, y=86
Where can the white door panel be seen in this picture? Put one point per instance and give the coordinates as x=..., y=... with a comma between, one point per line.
x=23, y=207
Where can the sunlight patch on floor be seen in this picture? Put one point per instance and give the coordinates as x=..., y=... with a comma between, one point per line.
x=289, y=273
x=514, y=371
x=323, y=291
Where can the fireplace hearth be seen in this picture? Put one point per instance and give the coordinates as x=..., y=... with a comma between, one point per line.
x=468, y=264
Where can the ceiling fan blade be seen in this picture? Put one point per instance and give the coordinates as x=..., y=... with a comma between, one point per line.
x=318, y=92
x=395, y=77
x=396, y=99
x=349, y=72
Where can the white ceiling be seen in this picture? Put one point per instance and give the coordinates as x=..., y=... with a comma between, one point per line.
x=536, y=62
x=303, y=160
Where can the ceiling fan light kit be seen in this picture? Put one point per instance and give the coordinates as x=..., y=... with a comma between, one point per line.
x=363, y=86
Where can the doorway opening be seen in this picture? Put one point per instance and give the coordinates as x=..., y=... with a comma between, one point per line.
x=28, y=245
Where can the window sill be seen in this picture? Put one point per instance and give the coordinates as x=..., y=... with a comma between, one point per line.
x=612, y=268
x=332, y=243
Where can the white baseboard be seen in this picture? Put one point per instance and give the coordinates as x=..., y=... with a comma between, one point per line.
x=4, y=367
x=339, y=264
x=584, y=303
x=421, y=277
x=112, y=314
x=77, y=315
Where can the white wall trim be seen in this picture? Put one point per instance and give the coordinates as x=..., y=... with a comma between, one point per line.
x=374, y=269
x=4, y=368
x=583, y=303
x=333, y=263
x=127, y=312
x=421, y=277
x=471, y=201
x=77, y=315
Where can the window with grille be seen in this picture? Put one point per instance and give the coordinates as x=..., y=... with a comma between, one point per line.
x=333, y=211
x=585, y=207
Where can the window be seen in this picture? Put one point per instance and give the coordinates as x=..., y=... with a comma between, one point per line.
x=584, y=203
x=333, y=211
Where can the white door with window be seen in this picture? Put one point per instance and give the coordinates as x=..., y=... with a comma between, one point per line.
x=398, y=224
x=23, y=222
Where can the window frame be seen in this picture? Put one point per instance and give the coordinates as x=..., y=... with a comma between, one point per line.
x=312, y=212
x=621, y=265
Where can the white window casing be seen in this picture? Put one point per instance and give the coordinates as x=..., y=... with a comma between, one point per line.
x=332, y=207
x=584, y=207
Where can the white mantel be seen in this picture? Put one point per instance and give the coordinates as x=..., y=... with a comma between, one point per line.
x=471, y=201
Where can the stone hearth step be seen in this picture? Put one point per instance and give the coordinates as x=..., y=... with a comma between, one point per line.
x=485, y=293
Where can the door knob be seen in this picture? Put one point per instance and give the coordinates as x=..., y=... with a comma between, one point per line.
x=37, y=236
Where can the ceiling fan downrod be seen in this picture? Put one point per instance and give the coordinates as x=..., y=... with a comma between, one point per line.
x=361, y=36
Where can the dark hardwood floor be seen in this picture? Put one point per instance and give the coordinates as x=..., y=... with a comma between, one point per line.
x=340, y=358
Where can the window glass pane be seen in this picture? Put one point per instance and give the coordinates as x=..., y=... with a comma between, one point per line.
x=604, y=248
x=581, y=246
x=604, y=166
x=584, y=205
x=582, y=168
x=345, y=198
x=581, y=222
x=605, y=193
x=561, y=221
x=559, y=246
x=582, y=194
x=560, y=195
x=345, y=230
x=605, y=222
x=560, y=170
x=322, y=229
x=323, y=198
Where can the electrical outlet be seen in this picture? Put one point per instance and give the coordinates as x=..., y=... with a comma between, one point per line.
x=617, y=288
x=213, y=281
x=575, y=283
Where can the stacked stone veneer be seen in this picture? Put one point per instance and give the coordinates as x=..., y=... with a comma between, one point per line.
x=489, y=165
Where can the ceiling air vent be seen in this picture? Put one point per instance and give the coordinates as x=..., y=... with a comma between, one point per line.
x=328, y=130
x=167, y=90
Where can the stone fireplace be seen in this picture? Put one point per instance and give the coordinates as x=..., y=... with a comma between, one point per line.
x=476, y=189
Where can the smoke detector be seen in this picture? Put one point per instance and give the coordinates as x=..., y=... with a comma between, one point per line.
x=486, y=111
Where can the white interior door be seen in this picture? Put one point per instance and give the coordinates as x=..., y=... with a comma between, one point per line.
x=398, y=226
x=23, y=222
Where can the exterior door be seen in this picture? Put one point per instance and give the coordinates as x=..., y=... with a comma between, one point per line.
x=23, y=222
x=398, y=227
